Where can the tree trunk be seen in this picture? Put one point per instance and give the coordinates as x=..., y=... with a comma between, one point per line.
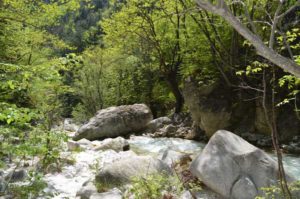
x=174, y=86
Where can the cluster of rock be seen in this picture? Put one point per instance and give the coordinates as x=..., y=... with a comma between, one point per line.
x=178, y=126
x=216, y=106
x=137, y=118
x=228, y=165
x=123, y=166
x=293, y=146
x=259, y=140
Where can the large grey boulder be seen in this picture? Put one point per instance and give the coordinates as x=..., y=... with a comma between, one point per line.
x=123, y=170
x=115, y=121
x=234, y=168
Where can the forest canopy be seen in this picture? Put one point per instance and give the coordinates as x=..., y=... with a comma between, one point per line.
x=71, y=58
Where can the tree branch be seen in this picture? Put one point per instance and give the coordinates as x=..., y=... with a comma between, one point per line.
x=263, y=50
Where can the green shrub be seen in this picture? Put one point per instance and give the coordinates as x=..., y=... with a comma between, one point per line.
x=273, y=192
x=30, y=190
x=155, y=186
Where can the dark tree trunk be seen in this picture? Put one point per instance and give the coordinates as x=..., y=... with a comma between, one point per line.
x=172, y=81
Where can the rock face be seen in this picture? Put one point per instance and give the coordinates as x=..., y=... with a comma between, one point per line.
x=210, y=108
x=115, y=121
x=123, y=170
x=234, y=168
x=215, y=106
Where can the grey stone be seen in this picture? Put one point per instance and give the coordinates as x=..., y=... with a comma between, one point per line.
x=69, y=125
x=16, y=175
x=73, y=145
x=171, y=157
x=116, y=144
x=123, y=170
x=244, y=189
x=227, y=158
x=158, y=123
x=115, y=121
x=186, y=195
x=87, y=190
x=2, y=185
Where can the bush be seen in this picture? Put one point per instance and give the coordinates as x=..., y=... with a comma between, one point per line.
x=276, y=192
x=155, y=186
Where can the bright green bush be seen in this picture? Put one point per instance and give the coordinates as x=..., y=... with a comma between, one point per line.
x=276, y=192
x=155, y=186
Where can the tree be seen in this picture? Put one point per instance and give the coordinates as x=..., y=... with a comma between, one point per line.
x=222, y=10
x=160, y=33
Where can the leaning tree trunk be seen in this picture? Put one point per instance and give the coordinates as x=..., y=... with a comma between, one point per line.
x=172, y=81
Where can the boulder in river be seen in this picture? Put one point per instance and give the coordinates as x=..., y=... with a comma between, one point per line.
x=115, y=121
x=123, y=170
x=16, y=175
x=87, y=190
x=116, y=144
x=158, y=123
x=234, y=168
x=171, y=157
x=69, y=125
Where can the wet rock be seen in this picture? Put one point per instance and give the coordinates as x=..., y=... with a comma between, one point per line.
x=73, y=145
x=69, y=125
x=158, y=123
x=184, y=132
x=292, y=148
x=123, y=170
x=87, y=190
x=171, y=157
x=16, y=175
x=265, y=142
x=230, y=165
x=85, y=143
x=116, y=121
x=116, y=144
x=170, y=130
x=252, y=137
x=186, y=195
x=2, y=185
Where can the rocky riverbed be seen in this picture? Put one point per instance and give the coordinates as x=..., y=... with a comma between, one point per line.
x=69, y=183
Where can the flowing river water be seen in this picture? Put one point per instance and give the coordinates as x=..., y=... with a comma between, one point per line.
x=154, y=146
x=68, y=182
